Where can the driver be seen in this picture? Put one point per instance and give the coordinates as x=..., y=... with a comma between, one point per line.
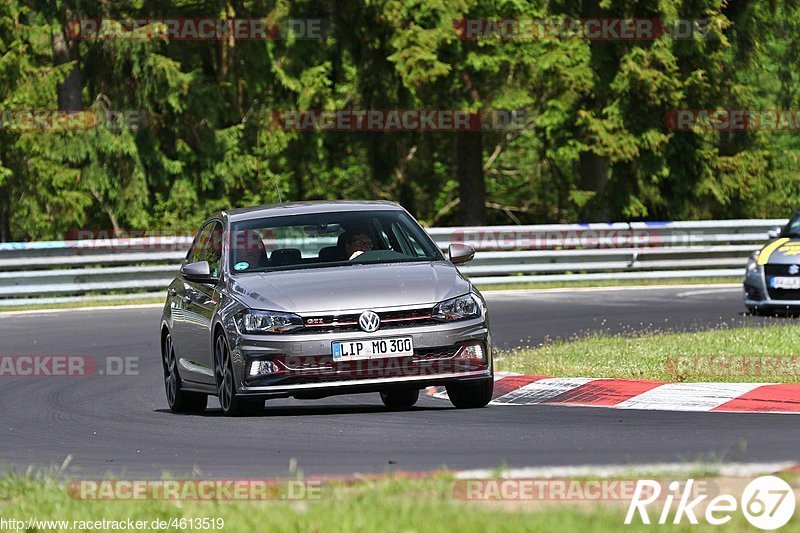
x=356, y=242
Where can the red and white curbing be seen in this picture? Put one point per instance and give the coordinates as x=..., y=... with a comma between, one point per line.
x=519, y=389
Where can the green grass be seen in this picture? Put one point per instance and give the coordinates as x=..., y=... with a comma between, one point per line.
x=384, y=504
x=750, y=354
x=608, y=283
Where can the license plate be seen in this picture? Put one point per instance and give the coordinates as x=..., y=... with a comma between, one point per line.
x=372, y=348
x=784, y=283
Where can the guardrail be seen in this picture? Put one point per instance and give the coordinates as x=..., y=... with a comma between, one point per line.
x=65, y=271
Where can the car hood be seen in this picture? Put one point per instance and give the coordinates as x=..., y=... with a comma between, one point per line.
x=350, y=287
x=781, y=251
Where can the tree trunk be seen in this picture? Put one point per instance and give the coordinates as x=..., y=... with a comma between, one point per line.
x=403, y=181
x=472, y=188
x=109, y=211
x=383, y=160
x=594, y=177
x=66, y=50
x=593, y=168
x=5, y=226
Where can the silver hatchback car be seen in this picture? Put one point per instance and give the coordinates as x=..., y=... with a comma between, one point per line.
x=314, y=299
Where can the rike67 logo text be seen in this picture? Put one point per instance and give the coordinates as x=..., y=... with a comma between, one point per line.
x=767, y=502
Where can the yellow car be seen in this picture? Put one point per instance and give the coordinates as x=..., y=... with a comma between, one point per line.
x=772, y=278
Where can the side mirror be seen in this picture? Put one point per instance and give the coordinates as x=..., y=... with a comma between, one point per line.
x=461, y=253
x=774, y=233
x=199, y=272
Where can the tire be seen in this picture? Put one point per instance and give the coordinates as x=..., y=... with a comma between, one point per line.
x=471, y=395
x=229, y=401
x=179, y=400
x=399, y=398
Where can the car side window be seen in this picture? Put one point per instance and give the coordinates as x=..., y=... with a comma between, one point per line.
x=383, y=238
x=197, y=251
x=389, y=239
x=793, y=227
x=213, y=250
x=407, y=241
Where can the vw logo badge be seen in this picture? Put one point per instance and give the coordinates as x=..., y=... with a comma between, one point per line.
x=369, y=321
x=794, y=269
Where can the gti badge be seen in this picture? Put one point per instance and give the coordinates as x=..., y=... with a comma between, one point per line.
x=369, y=321
x=794, y=269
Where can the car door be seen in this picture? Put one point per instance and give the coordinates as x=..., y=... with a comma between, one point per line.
x=201, y=302
x=179, y=292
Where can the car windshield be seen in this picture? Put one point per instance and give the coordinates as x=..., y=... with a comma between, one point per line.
x=792, y=229
x=328, y=239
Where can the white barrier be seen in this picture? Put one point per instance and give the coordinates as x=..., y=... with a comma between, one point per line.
x=63, y=271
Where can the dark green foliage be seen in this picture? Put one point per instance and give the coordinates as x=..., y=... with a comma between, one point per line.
x=592, y=146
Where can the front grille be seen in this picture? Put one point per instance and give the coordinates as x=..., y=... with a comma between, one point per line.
x=325, y=363
x=432, y=354
x=349, y=322
x=784, y=294
x=322, y=368
x=781, y=270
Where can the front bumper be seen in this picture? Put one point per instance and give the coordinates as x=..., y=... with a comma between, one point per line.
x=304, y=365
x=757, y=295
x=352, y=386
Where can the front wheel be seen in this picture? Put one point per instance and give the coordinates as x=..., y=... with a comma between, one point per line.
x=231, y=403
x=471, y=395
x=179, y=400
x=399, y=399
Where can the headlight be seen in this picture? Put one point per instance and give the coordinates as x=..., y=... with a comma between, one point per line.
x=460, y=308
x=752, y=263
x=268, y=322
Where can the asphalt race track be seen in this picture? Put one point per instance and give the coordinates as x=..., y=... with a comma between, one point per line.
x=121, y=425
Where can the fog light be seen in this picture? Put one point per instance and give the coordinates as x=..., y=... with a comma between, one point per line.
x=473, y=351
x=258, y=368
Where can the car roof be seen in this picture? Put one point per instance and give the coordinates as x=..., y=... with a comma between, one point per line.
x=303, y=208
